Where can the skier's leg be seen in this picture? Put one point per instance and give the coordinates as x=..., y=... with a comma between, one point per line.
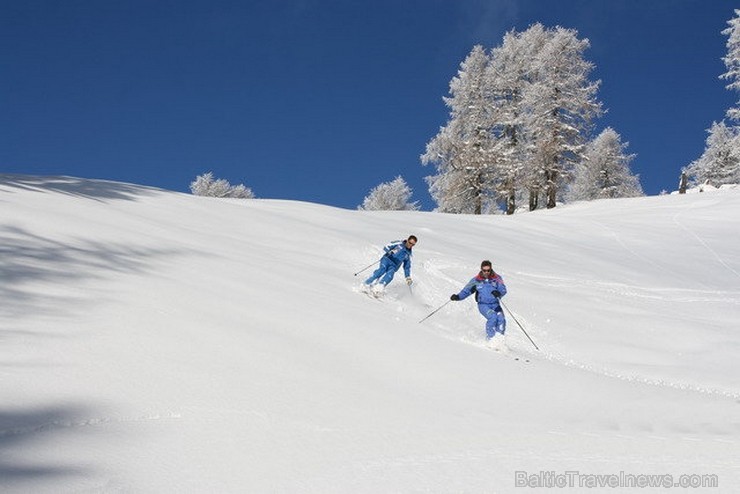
x=500, y=323
x=490, y=315
x=378, y=272
x=388, y=276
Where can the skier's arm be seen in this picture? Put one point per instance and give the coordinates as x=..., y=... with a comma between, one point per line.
x=407, y=267
x=467, y=290
x=392, y=247
x=500, y=287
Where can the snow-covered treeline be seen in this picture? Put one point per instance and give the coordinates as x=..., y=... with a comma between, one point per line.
x=719, y=164
x=390, y=196
x=520, y=120
x=207, y=185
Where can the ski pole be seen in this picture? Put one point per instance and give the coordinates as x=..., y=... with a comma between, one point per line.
x=371, y=265
x=365, y=268
x=434, y=311
x=518, y=323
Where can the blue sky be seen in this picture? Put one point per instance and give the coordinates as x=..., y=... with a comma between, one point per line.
x=321, y=100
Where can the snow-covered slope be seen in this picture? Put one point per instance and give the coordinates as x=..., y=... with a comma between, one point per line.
x=152, y=341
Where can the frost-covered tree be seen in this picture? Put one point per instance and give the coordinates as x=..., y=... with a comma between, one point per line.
x=206, y=185
x=604, y=171
x=390, y=196
x=561, y=104
x=461, y=150
x=519, y=119
x=509, y=73
x=720, y=162
x=732, y=61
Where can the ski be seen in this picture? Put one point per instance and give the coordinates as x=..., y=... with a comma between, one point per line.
x=375, y=295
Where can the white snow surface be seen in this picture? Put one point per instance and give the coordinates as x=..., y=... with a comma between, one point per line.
x=153, y=341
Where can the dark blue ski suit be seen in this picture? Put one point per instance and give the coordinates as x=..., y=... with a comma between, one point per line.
x=396, y=254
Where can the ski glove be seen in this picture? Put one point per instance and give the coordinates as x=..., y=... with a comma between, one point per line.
x=455, y=297
x=409, y=281
x=497, y=294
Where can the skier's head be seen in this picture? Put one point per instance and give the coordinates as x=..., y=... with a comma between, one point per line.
x=411, y=241
x=486, y=269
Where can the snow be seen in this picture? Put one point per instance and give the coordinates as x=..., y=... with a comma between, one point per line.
x=152, y=341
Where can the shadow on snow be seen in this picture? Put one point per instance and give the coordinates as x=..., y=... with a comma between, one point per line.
x=28, y=260
x=22, y=426
x=99, y=190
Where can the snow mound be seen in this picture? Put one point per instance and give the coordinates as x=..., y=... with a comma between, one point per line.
x=160, y=342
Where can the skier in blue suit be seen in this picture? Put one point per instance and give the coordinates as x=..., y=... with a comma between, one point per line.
x=396, y=254
x=488, y=288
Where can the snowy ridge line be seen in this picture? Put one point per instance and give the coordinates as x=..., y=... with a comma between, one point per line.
x=637, y=379
x=689, y=295
x=71, y=424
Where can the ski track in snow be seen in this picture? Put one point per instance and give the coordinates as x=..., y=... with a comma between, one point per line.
x=437, y=280
x=603, y=371
x=529, y=356
x=621, y=242
x=435, y=272
x=701, y=241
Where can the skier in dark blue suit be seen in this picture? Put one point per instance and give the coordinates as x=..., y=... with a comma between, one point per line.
x=488, y=288
x=397, y=253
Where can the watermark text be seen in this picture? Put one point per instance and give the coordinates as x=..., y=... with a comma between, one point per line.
x=621, y=480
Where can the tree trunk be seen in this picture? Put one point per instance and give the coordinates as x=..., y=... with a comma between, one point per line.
x=551, y=188
x=511, y=202
x=682, y=183
x=478, y=195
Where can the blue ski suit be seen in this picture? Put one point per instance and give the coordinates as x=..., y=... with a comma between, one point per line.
x=396, y=254
x=488, y=304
